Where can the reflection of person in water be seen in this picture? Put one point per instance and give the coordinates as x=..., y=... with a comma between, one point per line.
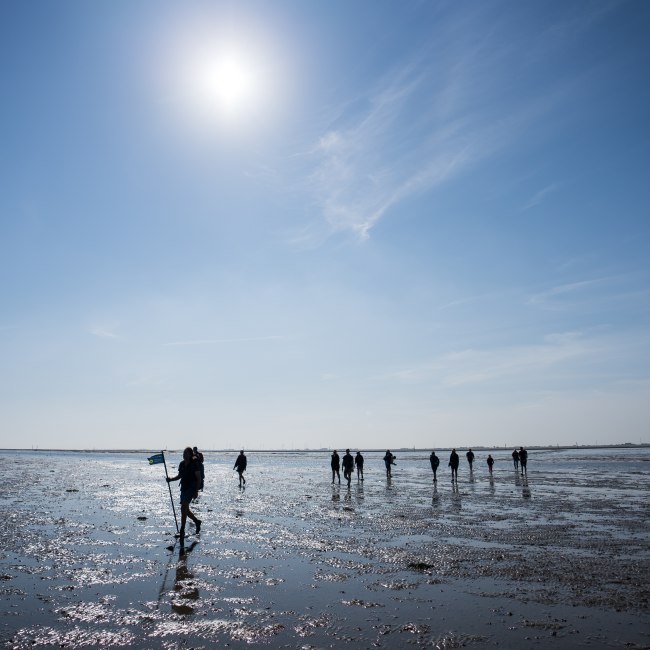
x=348, y=466
x=454, y=461
x=240, y=466
x=470, y=458
x=435, y=461
x=336, y=466
x=515, y=459
x=189, y=474
x=185, y=588
x=389, y=460
x=523, y=459
x=358, y=461
x=490, y=462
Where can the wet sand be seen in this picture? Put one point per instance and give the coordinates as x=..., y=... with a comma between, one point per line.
x=559, y=558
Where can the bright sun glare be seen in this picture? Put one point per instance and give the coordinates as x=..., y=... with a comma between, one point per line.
x=226, y=82
x=229, y=84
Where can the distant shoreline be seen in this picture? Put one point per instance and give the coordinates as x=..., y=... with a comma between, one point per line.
x=327, y=449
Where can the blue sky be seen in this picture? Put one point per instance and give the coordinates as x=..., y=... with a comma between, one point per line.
x=324, y=224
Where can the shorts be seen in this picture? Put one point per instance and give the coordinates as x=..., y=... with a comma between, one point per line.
x=187, y=494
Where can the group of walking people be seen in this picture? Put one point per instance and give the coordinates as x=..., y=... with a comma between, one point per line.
x=520, y=458
x=191, y=473
x=349, y=464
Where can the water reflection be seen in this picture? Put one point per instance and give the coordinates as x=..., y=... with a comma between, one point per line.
x=435, y=498
x=492, y=488
x=359, y=492
x=185, y=589
x=456, y=503
x=472, y=480
x=522, y=482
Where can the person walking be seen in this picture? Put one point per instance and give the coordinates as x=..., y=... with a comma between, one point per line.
x=358, y=461
x=515, y=459
x=470, y=458
x=490, y=462
x=454, y=461
x=523, y=460
x=389, y=460
x=348, y=466
x=435, y=461
x=336, y=466
x=240, y=465
x=199, y=458
x=189, y=474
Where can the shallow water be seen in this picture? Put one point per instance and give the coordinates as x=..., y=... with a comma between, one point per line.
x=561, y=556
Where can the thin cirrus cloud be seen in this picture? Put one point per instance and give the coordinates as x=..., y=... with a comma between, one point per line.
x=600, y=293
x=538, y=197
x=424, y=125
x=252, y=339
x=365, y=168
x=104, y=333
x=471, y=366
x=547, y=298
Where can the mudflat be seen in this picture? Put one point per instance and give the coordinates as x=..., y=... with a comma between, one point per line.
x=558, y=557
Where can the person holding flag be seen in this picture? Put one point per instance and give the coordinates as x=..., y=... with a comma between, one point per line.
x=189, y=473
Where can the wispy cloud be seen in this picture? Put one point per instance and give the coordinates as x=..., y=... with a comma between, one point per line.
x=221, y=341
x=104, y=333
x=421, y=126
x=603, y=293
x=366, y=168
x=538, y=197
x=544, y=298
x=471, y=366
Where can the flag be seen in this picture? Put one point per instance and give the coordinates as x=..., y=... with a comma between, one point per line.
x=156, y=458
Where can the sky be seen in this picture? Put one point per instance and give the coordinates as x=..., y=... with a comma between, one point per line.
x=368, y=224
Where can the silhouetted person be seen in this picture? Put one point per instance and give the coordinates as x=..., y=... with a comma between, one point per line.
x=199, y=457
x=189, y=474
x=348, y=466
x=358, y=461
x=435, y=461
x=515, y=459
x=454, y=461
x=470, y=458
x=490, y=462
x=389, y=460
x=336, y=466
x=240, y=466
x=523, y=459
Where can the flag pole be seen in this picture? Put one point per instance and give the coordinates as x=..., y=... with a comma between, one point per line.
x=170, y=489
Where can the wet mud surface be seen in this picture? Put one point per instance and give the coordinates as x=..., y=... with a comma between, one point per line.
x=562, y=556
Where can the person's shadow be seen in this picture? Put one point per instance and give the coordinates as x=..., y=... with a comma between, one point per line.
x=185, y=589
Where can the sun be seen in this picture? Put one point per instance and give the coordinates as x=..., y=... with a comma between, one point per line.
x=226, y=82
x=233, y=81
